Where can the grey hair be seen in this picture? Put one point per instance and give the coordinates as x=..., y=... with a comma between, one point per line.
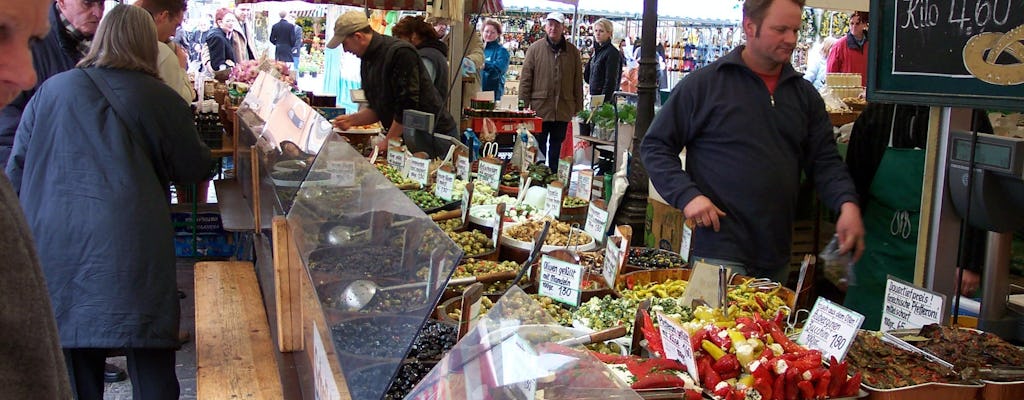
x=125, y=39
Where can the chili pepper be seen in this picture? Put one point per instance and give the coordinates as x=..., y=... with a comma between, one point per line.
x=776, y=334
x=711, y=378
x=696, y=338
x=723, y=392
x=806, y=389
x=821, y=390
x=792, y=378
x=715, y=337
x=852, y=386
x=806, y=360
x=763, y=386
x=780, y=318
x=779, y=389
x=651, y=364
x=728, y=364
x=713, y=350
x=658, y=380
x=839, y=377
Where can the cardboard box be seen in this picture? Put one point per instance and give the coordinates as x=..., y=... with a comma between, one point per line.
x=665, y=228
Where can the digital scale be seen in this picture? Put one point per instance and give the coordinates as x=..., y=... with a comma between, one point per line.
x=995, y=187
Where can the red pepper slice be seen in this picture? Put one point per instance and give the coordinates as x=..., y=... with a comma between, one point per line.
x=723, y=392
x=821, y=389
x=658, y=381
x=696, y=338
x=839, y=377
x=779, y=389
x=779, y=337
x=852, y=386
x=792, y=378
x=693, y=394
x=806, y=389
x=763, y=386
x=723, y=343
x=726, y=365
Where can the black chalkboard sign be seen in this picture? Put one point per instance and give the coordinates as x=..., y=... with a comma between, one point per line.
x=961, y=53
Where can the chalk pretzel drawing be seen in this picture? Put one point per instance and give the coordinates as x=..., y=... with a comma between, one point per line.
x=983, y=66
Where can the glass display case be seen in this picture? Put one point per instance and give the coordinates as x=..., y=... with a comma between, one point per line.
x=376, y=264
x=517, y=351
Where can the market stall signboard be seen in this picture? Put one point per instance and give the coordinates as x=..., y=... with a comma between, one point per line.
x=564, y=170
x=462, y=166
x=960, y=53
x=553, y=200
x=907, y=306
x=676, y=342
x=560, y=280
x=419, y=169
x=597, y=220
x=830, y=328
x=445, y=184
x=396, y=158
x=489, y=171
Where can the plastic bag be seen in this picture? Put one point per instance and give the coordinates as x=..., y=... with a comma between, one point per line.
x=489, y=132
x=838, y=267
x=833, y=103
x=521, y=144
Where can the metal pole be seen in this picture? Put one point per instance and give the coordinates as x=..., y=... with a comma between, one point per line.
x=634, y=210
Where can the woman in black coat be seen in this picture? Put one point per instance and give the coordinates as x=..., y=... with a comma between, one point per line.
x=94, y=183
x=604, y=71
x=222, y=50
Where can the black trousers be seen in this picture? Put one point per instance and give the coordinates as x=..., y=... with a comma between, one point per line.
x=150, y=370
x=555, y=132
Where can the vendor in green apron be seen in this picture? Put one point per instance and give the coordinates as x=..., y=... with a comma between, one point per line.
x=886, y=160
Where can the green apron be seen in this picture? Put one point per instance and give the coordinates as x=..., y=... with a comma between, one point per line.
x=890, y=222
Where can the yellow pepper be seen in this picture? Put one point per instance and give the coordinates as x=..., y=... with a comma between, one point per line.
x=712, y=349
x=746, y=381
x=736, y=338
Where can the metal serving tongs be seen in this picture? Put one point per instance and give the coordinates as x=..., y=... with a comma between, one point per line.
x=533, y=255
x=994, y=373
x=763, y=284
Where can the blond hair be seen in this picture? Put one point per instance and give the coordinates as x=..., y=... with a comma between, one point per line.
x=607, y=25
x=126, y=39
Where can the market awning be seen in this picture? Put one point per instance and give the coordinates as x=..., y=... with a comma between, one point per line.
x=695, y=10
x=476, y=6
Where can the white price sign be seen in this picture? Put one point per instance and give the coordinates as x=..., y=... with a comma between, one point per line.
x=489, y=173
x=907, y=306
x=419, y=169
x=612, y=262
x=462, y=167
x=467, y=201
x=585, y=184
x=396, y=158
x=445, y=185
x=676, y=342
x=830, y=328
x=553, y=201
x=597, y=222
x=344, y=172
x=560, y=280
x=564, y=170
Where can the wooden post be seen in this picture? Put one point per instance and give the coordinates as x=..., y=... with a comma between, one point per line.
x=254, y=157
x=287, y=287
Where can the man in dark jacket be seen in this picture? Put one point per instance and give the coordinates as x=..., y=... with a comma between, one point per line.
x=394, y=81
x=72, y=25
x=750, y=125
x=282, y=35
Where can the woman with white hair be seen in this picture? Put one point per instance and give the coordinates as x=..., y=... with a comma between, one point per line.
x=106, y=168
x=604, y=71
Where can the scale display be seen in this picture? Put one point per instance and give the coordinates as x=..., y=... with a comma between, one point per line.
x=1000, y=154
x=986, y=154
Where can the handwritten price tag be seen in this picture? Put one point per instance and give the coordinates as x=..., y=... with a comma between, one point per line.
x=597, y=222
x=419, y=169
x=344, y=172
x=560, y=280
x=908, y=306
x=585, y=184
x=396, y=158
x=553, y=200
x=467, y=201
x=611, y=266
x=677, y=344
x=830, y=328
x=445, y=185
x=564, y=170
x=462, y=167
x=489, y=173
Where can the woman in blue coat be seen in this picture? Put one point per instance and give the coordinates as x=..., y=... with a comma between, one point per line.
x=495, y=60
x=93, y=183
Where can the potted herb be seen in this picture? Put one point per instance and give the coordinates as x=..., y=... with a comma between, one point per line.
x=584, y=119
x=604, y=121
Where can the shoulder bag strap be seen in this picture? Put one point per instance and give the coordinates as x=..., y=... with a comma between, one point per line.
x=120, y=110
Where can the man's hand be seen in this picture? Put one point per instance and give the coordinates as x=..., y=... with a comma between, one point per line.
x=970, y=283
x=702, y=210
x=182, y=55
x=850, y=229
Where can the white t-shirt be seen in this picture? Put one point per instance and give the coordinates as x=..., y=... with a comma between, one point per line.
x=172, y=73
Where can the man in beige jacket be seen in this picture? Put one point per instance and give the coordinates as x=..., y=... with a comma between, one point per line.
x=551, y=83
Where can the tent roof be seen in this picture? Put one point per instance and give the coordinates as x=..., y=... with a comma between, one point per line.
x=696, y=10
